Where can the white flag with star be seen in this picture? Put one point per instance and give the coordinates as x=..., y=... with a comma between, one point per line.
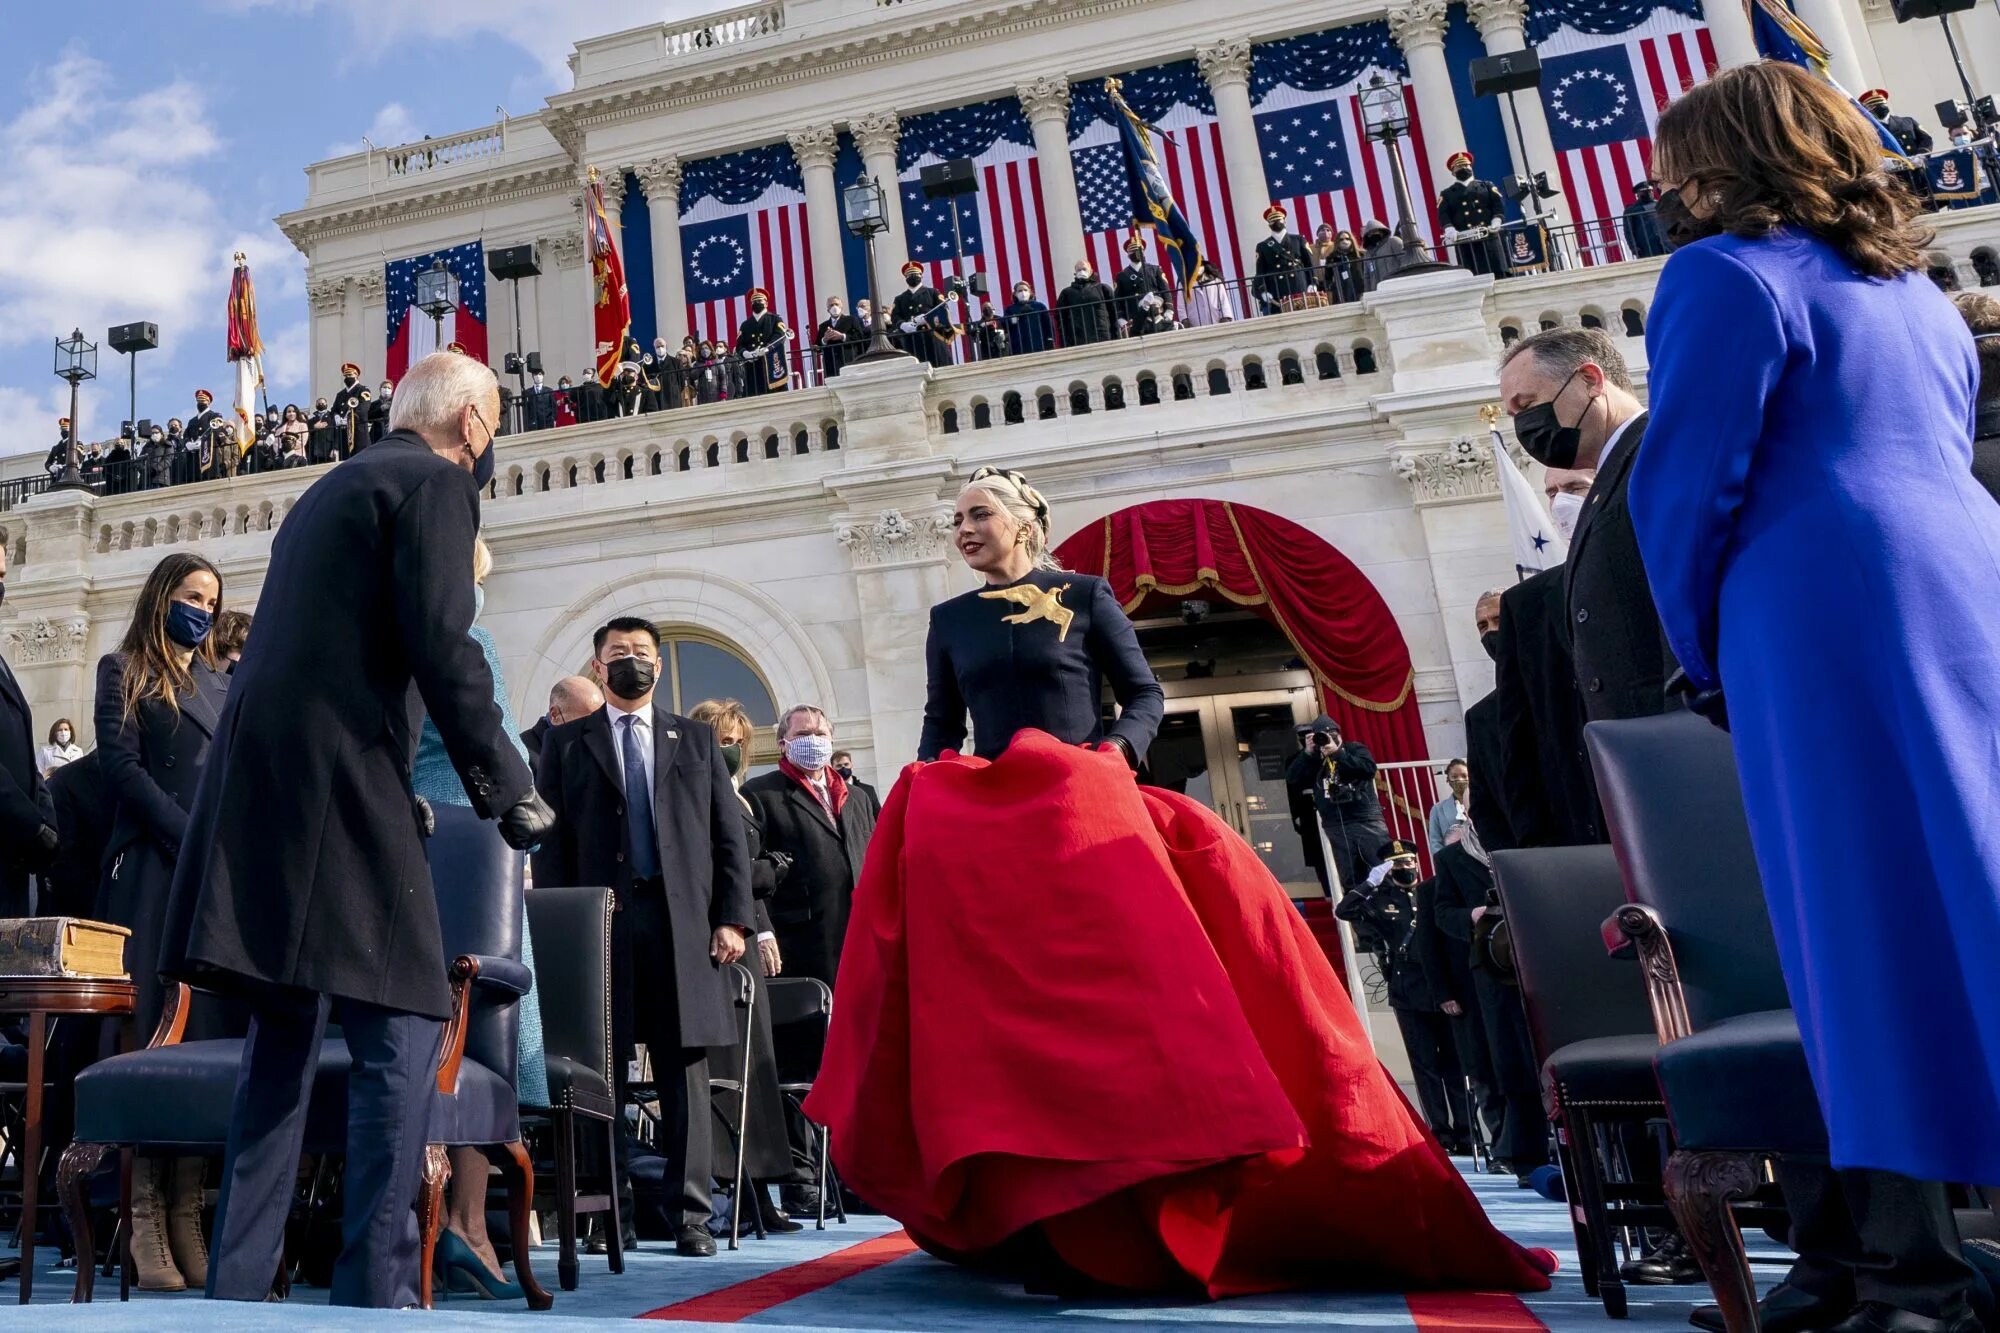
x=1537, y=544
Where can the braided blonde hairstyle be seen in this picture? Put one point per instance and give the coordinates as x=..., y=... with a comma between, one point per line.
x=1011, y=491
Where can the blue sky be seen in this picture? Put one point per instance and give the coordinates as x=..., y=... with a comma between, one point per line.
x=145, y=140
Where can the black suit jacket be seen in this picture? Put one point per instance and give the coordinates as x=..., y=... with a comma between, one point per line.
x=83, y=819
x=1616, y=641
x=24, y=801
x=1545, y=776
x=533, y=737
x=703, y=849
x=809, y=908
x=1483, y=756
x=152, y=762
x=303, y=864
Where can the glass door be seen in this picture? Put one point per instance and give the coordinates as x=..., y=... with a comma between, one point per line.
x=1230, y=751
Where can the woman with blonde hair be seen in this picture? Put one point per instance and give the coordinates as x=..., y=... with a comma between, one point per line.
x=1080, y=1033
x=1824, y=561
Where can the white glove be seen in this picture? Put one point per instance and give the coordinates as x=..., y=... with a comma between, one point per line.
x=1450, y=234
x=907, y=326
x=1378, y=874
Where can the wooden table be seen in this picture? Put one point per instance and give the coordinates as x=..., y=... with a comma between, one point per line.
x=42, y=998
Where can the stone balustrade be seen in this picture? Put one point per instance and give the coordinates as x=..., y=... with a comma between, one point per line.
x=728, y=28
x=481, y=145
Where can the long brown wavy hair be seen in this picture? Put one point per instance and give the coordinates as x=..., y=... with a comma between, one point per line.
x=152, y=660
x=1772, y=146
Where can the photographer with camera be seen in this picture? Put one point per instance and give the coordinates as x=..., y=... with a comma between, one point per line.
x=1383, y=914
x=1341, y=777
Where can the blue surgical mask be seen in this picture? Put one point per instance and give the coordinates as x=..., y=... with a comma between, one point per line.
x=187, y=625
x=478, y=600
x=809, y=752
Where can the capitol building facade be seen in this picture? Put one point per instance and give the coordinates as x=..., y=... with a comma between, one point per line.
x=1300, y=506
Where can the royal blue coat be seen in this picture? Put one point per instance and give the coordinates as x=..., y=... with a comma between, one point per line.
x=1817, y=546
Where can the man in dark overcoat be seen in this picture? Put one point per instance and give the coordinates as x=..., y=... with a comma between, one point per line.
x=302, y=883
x=27, y=817
x=678, y=862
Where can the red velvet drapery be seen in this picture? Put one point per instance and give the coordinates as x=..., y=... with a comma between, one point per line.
x=1336, y=620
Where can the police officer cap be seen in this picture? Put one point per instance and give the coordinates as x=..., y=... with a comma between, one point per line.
x=1394, y=848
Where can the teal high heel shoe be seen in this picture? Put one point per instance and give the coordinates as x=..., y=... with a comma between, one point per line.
x=464, y=1275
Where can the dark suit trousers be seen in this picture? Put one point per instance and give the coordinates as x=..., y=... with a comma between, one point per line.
x=1434, y=1066
x=687, y=1130
x=1873, y=1236
x=390, y=1096
x=1525, y=1140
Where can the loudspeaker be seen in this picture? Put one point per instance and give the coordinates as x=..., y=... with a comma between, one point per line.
x=942, y=180
x=133, y=337
x=534, y=363
x=1908, y=10
x=1512, y=72
x=145, y=427
x=514, y=262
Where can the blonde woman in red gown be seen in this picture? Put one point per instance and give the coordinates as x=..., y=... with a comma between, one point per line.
x=1080, y=1034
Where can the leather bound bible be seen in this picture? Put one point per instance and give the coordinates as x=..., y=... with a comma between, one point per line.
x=61, y=946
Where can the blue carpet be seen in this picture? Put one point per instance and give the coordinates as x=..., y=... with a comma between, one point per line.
x=913, y=1292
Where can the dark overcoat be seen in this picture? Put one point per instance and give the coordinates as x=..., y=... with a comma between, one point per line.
x=150, y=764
x=1615, y=638
x=303, y=863
x=24, y=801
x=1547, y=788
x=809, y=907
x=704, y=852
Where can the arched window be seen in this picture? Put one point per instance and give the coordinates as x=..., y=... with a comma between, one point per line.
x=696, y=665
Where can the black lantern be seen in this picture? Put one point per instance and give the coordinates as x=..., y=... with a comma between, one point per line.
x=1386, y=118
x=437, y=296
x=76, y=361
x=866, y=214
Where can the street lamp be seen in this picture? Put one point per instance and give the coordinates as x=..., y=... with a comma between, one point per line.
x=76, y=361
x=437, y=296
x=1385, y=117
x=865, y=214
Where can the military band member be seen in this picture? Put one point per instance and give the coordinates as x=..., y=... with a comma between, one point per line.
x=760, y=341
x=350, y=411
x=1469, y=204
x=1642, y=223
x=58, y=459
x=923, y=328
x=199, y=435
x=221, y=453
x=1904, y=129
x=1138, y=280
x=1284, y=264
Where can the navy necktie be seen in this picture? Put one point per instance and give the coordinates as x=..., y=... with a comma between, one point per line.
x=638, y=802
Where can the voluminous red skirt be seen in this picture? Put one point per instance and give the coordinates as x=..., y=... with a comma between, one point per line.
x=1070, y=1002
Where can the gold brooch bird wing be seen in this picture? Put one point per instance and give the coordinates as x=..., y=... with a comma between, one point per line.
x=1039, y=603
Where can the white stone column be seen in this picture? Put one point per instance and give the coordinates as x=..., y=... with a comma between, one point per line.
x=370, y=346
x=1046, y=102
x=1418, y=27
x=1226, y=66
x=660, y=179
x=574, y=294
x=613, y=180
x=815, y=148
x=1829, y=18
x=1729, y=27
x=348, y=342
x=1502, y=25
x=876, y=135
x=328, y=299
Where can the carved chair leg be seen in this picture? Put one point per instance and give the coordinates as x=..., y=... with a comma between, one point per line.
x=73, y=1172
x=520, y=1205
x=125, y=1224
x=430, y=1214
x=1701, y=1186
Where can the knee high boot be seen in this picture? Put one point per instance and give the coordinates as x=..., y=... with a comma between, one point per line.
x=184, y=1238
x=152, y=1258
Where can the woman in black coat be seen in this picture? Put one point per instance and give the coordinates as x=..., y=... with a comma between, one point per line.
x=159, y=697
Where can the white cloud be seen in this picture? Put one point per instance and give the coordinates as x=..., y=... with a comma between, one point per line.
x=392, y=125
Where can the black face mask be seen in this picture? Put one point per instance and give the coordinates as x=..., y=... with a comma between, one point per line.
x=1546, y=439
x=757, y=306
x=348, y=380
x=1463, y=173
x=914, y=279
x=630, y=677
x=1490, y=641
x=1678, y=224
x=1403, y=877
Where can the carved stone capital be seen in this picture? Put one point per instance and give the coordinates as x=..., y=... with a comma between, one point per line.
x=814, y=146
x=371, y=285
x=1461, y=470
x=566, y=251
x=877, y=132
x=1224, y=62
x=1044, y=99
x=1487, y=15
x=326, y=295
x=40, y=641
x=1417, y=23
x=659, y=180
x=893, y=538
x=613, y=182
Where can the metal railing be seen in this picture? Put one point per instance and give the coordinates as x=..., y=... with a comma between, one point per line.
x=1408, y=790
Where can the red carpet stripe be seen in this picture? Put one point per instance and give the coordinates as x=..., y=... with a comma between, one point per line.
x=759, y=1294
x=1471, y=1312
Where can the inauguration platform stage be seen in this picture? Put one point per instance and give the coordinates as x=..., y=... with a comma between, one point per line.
x=867, y=1275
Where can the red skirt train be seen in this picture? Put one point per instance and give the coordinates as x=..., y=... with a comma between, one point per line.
x=1071, y=1003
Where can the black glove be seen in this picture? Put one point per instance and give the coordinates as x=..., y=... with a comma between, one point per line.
x=527, y=822
x=1702, y=703
x=781, y=865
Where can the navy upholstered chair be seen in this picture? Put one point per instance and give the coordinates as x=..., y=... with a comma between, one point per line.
x=177, y=1095
x=1593, y=1035
x=1731, y=1065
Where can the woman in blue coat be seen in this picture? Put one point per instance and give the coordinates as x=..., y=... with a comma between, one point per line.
x=1820, y=552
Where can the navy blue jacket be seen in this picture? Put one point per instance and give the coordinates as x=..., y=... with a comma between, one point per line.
x=1036, y=673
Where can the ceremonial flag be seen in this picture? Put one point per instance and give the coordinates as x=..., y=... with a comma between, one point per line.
x=743, y=227
x=414, y=334
x=246, y=349
x=1153, y=205
x=1603, y=95
x=611, y=304
x=1537, y=544
x=1783, y=35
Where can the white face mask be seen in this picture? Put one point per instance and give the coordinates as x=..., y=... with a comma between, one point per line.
x=62, y=737
x=1565, y=510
